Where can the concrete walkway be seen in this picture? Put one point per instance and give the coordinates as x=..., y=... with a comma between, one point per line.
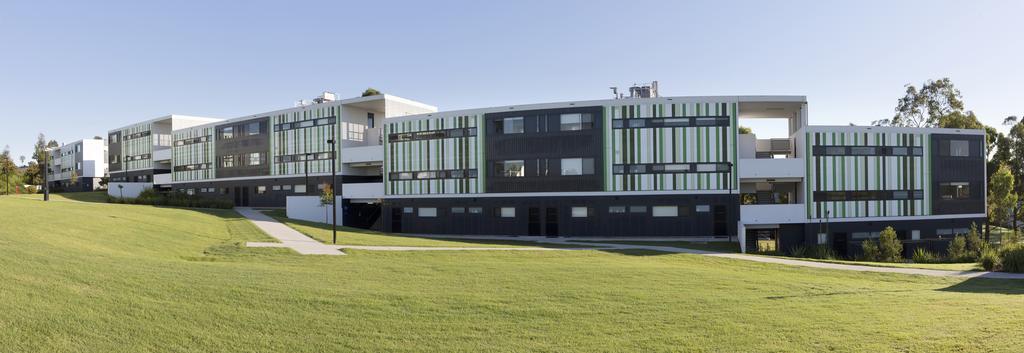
x=449, y=248
x=290, y=238
x=803, y=263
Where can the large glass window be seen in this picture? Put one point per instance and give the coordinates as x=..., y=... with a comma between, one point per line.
x=227, y=133
x=511, y=125
x=227, y=161
x=665, y=211
x=576, y=122
x=253, y=128
x=580, y=212
x=955, y=191
x=428, y=212
x=507, y=212
x=515, y=169
x=577, y=166
x=959, y=148
x=254, y=158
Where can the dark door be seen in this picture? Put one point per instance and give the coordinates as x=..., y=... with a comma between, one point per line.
x=533, y=216
x=551, y=222
x=721, y=227
x=396, y=220
x=238, y=196
x=839, y=244
x=245, y=196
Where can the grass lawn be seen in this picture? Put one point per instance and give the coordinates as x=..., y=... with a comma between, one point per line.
x=92, y=277
x=968, y=266
x=356, y=236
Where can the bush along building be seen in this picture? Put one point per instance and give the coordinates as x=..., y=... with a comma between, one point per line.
x=678, y=167
x=77, y=166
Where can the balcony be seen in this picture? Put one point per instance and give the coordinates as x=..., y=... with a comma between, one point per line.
x=778, y=168
x=162, y=179
x=161, y=154
x=363, y=156
x=773, y=214
x=362, y=191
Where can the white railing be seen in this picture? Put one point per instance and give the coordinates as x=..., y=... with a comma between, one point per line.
x=773, y=214
x=772, y=168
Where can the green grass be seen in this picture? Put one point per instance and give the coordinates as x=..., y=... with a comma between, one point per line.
x=92, y=277
x=719, y=246
x=356, y=236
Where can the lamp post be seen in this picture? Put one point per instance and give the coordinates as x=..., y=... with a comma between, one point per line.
x=334, y=189
x=120, y=187
x=46, y=173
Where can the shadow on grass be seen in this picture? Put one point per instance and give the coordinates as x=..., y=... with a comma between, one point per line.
x=91, y=196
x=988, y=286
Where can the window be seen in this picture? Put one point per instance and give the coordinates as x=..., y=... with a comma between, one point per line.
x=227, y=133
x=190, y=191
x=899, y=151
x=276, y=188
x=253, y=128
x=300, y=189
x=260, y=190
x=507, y=212
x=617, y=209
x=835, y=150
x=511, y=125
x=955, y=191
x=900, y=195
x=703, y=208
x=407, y=210
x=864, y=235
x=426, y=175
x=863, y=151
x=822, y=238
x=458, y=210
x=576, y=122
x=637, y=168
x=707, y=167
x=113, y=138
x=579, y=212
x=254, y=158
x=665, y=211
x=514, y=169
x=476, y=210
x=577, y=166
x=915, y=234
x=677, y=167
x=637, y=209
x=428, y=212
x=286, y=187
x=959, y=148
x=369, y=120
x=227, y=161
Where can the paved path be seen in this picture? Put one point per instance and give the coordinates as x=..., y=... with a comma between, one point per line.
x=450, y=248
x=815, y=264
x=289, y=237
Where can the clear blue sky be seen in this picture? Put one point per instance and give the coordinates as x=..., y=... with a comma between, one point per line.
x=76, y=69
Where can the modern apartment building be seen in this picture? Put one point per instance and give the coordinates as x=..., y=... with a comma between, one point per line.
x=678, y=166
x=77, y=166
x=140, y=154
x=260, y=159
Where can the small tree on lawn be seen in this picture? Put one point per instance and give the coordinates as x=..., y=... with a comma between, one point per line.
x=1002, y=201
x=975, y=246
x=957, y=249
x=890, y=248
x=326, y=198
x=869, y=250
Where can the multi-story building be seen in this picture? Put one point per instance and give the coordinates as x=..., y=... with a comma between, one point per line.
x=140, y=154
x=261, y=159
x=78, y=166
x=678, y=166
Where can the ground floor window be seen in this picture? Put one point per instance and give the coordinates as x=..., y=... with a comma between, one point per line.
x=428, y=212
x=665, y=211
x=300, y=189
x=507, y=212
x=580, y=212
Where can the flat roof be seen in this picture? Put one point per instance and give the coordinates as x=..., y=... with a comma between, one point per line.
x=535, y=106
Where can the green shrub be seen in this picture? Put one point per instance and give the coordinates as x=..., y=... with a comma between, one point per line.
x=975, y=245
x=32, y=189
x=798, y=251
x=990, y=260
x=923, y=256
x=1013, y=259
x=821, y=252
x=890, y=248
x=869, y=250
x=177, y=199
x=957, y=250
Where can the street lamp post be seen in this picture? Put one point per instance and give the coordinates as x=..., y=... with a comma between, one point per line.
x=46, y=173
x=334, y=189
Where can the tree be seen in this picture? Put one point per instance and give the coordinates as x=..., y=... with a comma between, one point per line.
x=22, y=159
x=74, y=178
x=7, y=168
x=1015, y=146
x=1002, y=200
x=890, y=248
x=32, y=175
x=926, y=107
x=371, y=92
x=745, y=130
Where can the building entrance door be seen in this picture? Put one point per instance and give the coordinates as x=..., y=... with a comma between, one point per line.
x=396, y=220
x=551, y=222
x=533, y=217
